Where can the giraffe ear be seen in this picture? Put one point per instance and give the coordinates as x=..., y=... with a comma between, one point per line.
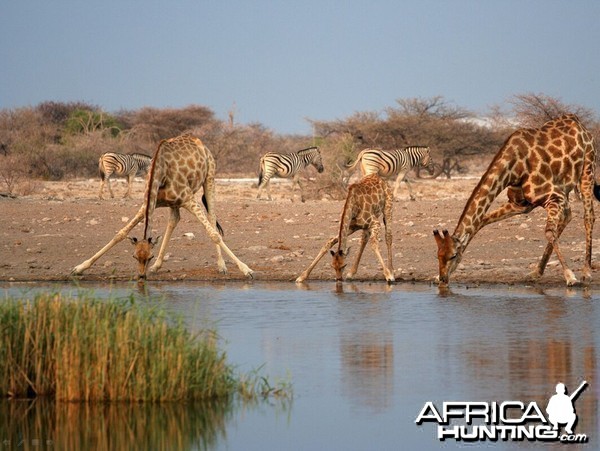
x=155, y=241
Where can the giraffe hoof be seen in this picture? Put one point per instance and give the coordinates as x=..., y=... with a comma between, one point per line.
x=76, y=271
x=570, y=278
x=154, y=269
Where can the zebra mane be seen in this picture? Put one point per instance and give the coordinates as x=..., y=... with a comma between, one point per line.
x=140, y=155
x=306, y=150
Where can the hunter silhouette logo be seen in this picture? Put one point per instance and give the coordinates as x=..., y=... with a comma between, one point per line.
x=560, y=407
x=471, y=421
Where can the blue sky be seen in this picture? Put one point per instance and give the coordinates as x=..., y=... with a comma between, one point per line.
x=281, y=62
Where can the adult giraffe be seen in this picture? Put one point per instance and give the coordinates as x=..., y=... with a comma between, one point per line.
x=540, y=167
x=180, y=167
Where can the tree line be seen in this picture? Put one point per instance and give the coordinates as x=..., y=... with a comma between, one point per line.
x=58, y=140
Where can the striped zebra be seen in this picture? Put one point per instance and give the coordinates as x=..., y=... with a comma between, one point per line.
x=124, y=165
x=393, y=163
x=287, y=165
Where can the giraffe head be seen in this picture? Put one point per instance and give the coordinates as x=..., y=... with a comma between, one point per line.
x=339, y=263
x=450, y=250
x=143, y=254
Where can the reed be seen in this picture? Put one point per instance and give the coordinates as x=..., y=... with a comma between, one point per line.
x=111, y=350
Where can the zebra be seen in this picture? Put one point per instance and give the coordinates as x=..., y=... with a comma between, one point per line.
x=287, y=165
x=390, y=163
x=128, y=165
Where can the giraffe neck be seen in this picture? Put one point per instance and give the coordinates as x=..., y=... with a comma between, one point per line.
x=152, y=187
x=345, y=222
x=492, y=183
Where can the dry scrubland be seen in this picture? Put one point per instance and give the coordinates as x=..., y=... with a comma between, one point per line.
x=45, y=234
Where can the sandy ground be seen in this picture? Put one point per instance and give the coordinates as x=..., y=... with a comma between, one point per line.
x=46, y=234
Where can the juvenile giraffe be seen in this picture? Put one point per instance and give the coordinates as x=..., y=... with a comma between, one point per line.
x=367, y=200
x=540, y=167
x=180, y=167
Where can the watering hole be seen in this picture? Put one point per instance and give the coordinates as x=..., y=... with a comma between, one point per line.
x=363, y=360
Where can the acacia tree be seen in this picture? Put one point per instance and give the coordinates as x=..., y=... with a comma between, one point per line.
x=450, y=131
x=533, y=110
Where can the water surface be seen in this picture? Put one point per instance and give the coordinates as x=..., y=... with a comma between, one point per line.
x=364, y=358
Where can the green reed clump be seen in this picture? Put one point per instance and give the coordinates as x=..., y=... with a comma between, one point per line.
x=92, y=350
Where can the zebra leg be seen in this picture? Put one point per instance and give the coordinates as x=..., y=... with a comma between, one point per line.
x=198, y=210
x=109, y=187
x=265, y=183
x=297, y=179
x=331, y=242
x=101, y=189
x=129, y=180
x=269, y=189
x=120, y=236
x=410, y=191
x=402, y=177
x=261, y=185
x=173, y=221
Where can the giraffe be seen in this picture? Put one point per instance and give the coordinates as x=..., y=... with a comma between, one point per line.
x=540, y=167
x=180, y=166
x=366, y=201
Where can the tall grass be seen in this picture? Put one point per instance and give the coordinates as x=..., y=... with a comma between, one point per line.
x=110, y=350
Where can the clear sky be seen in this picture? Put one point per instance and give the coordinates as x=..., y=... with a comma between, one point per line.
x=281, y=62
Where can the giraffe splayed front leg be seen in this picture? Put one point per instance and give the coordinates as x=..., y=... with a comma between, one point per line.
x=179, y=168
x=367, y=200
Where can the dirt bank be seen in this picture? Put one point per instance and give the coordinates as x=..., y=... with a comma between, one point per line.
x=46, y=234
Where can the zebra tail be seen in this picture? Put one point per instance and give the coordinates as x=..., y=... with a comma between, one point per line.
x=352, y=166
x=101, y=169
x=260, y=172
x=219, y=228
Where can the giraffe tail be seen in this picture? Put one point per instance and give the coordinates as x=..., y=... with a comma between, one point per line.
x=597, y=191
x=219, y=228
